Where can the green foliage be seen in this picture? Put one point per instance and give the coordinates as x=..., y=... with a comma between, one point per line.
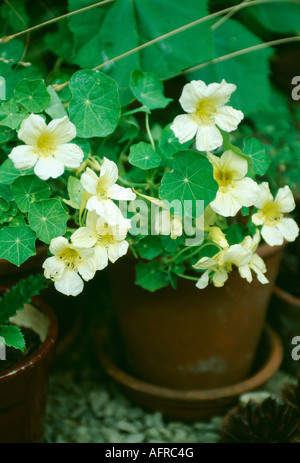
x=149, y=247
x=142, y=155
x=95, y=108
x=48, y=218
x=28, y=190
x=12, y=114
x=259, y=158
x=14, y=300
x=33, y=95
x=150, y=276
x=190, y=179
x=169, y=144
x=17, y=244
x=148, y=89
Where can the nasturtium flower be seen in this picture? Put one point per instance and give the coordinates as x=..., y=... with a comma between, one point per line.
x=108, y=241
x=221, y=264
x=235, y=189
x=167, y=224
x=68, y=266
x=275, y=227
x=255, y=263
x=47, y=147
x=206, y=111
x=103, y=190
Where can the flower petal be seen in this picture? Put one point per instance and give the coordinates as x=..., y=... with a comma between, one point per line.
x=87, y=268
x=289, y=228
x=192, y=93
x=116, y=250
x=119, y=192
x=226, y=204
x=263, y=196
x=228, y=118
x=219, y=278
x=58, y=245
x=89, y=181
x=23, y=157
x=184, y=127
x=53, y=267
x=48, y=168
x=84, y=237
x=62, y=130
x=203, y=281
x=285, y=200
x=70, y=283
x=245, y=191
x=108, y=173
x=69, y=154
x=272, y=235
x=235, y=164
x=208, y=138
x=100, y=257
x=31, y=129
x=220, y=92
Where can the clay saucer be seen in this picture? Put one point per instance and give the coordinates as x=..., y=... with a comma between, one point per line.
x=191, y=405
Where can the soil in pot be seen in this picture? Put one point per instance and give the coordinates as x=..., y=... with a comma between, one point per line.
x=15, y=356
x=189, y=338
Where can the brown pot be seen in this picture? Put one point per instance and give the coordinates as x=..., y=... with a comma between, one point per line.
x=23, y=388
x=190, y=338
x=285, y=309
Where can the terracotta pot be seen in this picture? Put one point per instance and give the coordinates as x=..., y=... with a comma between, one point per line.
x=191, y=405
x=285, y=310
x=23, y=388
x=190, y=338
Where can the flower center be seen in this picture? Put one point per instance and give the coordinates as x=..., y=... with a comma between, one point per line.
x=205, y=109
x=271, y=211
x=223, y=177
x=70, y=258
x=101, y=191
x=45, y=145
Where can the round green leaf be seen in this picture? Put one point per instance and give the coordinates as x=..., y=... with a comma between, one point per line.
x=17, y=244
x=191, y=179
x=33, y=95
x=95, y=107
x=142, y=155
x=148, y=89
x=48, y=219
x=29, y=189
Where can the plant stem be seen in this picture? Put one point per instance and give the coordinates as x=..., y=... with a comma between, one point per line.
x=149, y=131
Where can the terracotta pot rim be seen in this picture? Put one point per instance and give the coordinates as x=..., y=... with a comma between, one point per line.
x=185, y=397
x=44, y=347
x=286, y=296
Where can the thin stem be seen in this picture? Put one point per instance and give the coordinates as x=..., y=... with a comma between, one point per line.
x=51, y=21
x=228, y=15
x=187, y=277
x=132, y=184
x=59, y=87
x=243, y=51
x=149, y=131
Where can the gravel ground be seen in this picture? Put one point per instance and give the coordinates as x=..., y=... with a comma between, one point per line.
x=86, y=407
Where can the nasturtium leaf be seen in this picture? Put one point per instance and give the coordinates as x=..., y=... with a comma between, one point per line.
x=28, y=190
x=17, y=220
x=48, y=218
x=55, y=109
x=142, y=155
x=129, y=128
x=75, y=191
x=257, y=153
x=95, y=107
x=17, y=244
x=33, y=95
x=149, y=247
x=8, y=211
x=282, y=17
x=11, y=114
x=8, y=172
x=151, y=276
x=169, y=144
x=191, y=179
x=13, y=336
x=6, y=134
x=235, y=233
x=11, y=51
x=148, y=89
x=5, y=193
